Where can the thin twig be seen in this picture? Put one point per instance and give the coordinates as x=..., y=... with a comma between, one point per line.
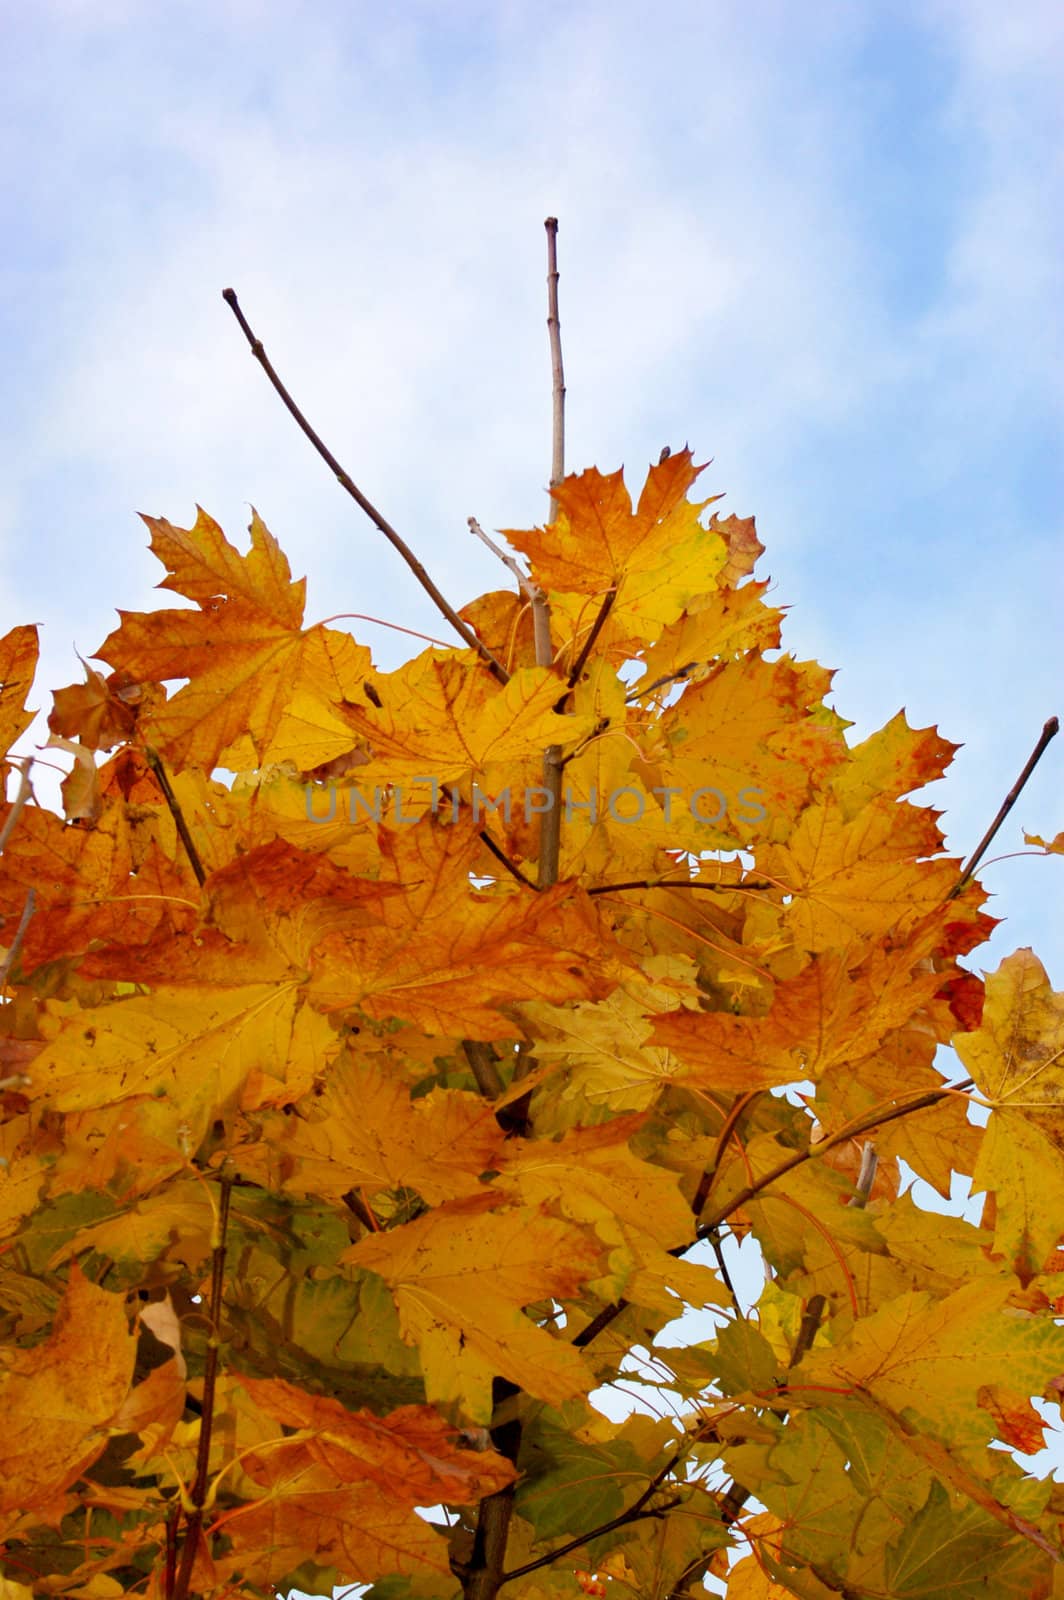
x=812, y=1316
x=20, y=934
x=706, y=1229
x=551, y=822
x=876, y=1120
x=731, y=1122
x=485, y=1573
x=348, y=483
x=154, y=761
x=554, y=331
x=659, y=683
x=866, y=1177
x=1050, y=729
x=634, y=1512
x=25, y=789
x=504, y=860
x=194, y=1518
x=524, y=582
x=589, y=643
x=678, y=883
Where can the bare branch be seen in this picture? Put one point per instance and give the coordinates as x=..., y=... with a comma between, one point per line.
x=194, y=1518
x=524, y=582
x=589, y=643
x=866, y=1177
x=635, y=1512
x=678, y=883
x=554, y=331
x=14, y=948
x=1049, y=731
x=154, y=761
x=482, y=1061
x=347, y=482
x=25, y=789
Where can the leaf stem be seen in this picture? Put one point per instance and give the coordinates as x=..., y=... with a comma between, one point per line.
x=347, y=482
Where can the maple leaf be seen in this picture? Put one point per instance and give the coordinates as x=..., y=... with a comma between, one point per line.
x=60, y=1398
x=656, y=557
x=447, y=955
x=365, y=1131
x=256, y=677
x=445, y=718
x=460, y=1277
x=18, y=663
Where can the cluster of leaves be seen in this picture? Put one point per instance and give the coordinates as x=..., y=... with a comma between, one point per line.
x=347, y=1152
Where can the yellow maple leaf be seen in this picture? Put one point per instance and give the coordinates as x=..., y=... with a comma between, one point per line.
x=443, y=717
x=364, y=1130
x=18, y=663
x=60, y=1398
x=656, y=557
x=860, y=878
x=460, y=1276
x=249, y=662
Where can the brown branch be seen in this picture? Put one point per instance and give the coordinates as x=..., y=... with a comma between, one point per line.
x=504, y=860
x=589, y=643
x=194, y=1518
x=485, y=1573
x=921, y=1103
x=16, y=945
x=706, y=1229
x=731, y=1121
x=170, y=1567
x=524, y=582
x=634, y=1513
x=1049, y=731
x=812, y=1316
x=347, y=482
x=155, y=763
x=25, y=789
x=554, y=333
x=866, y=1177
x=482, y=1062
x=659, y=683
x=677, y=883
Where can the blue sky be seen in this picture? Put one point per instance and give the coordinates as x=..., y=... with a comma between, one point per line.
x=821, y=243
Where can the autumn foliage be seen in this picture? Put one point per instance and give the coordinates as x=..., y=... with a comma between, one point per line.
x=347, y=1155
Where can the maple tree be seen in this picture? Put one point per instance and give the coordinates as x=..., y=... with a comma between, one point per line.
x=368, y=1111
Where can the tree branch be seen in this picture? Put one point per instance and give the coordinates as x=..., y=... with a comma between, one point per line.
x=921, y=1103
x=154, y=761
x=707, y=1228
x=484, y=1576
x=194, y=1518
x=347, y=482
x=25, y=789
x=524, y=582
x=1049, y=731
x=633, y=1514
x=677, y=883
x=554, y=334
x=589, y=643
x=15, y=947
